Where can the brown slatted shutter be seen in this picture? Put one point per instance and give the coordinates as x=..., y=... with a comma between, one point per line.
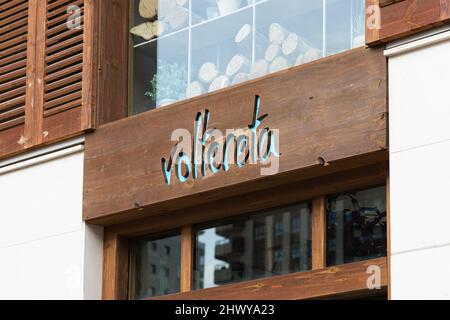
x=63, y=59
x=66, y=107
x=47, y=79
x=13, y=69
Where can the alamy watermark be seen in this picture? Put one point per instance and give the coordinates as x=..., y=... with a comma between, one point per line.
x=374, y=279
x=74, y=19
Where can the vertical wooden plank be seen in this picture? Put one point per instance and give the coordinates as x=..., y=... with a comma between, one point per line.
x=89, y=83
x=113, y=53
x=372, y=35
x=187, y=259
x=388, y=217
x=34, y=100
x=109, y=265
x=115, y=267
x=319, y=227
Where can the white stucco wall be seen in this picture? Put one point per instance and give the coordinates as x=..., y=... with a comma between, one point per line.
x=46, y=251
x=419, y=94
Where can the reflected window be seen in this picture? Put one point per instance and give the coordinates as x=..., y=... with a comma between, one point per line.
x=185, y=48
x=356, y=226
x=253, y=247
x=152, y=271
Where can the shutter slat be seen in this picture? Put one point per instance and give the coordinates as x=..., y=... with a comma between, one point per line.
x=12, y=75
x=64, y=73
x=12, y=94
x=12, y=84
x=12, y=114
x=63, y=18
x=14, y=58
x=57, y=7
x=11, y=51
x=62, y=100
x=64, y=107
x=13, y=34
x=14, y=25
x=17, y=15
x=12, y=103
x=63, y=82
x=13, y=66
x=73, y=53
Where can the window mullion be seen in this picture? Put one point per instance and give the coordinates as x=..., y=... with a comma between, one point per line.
x=319, y=233
x=187, y=259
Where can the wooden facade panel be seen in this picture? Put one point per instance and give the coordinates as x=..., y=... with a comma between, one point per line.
x=402, y=18
x=317, y=127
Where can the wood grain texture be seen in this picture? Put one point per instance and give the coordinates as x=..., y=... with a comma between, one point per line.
x=407, y=17
x=123, y=159
x=112, y=103
x=372, y=34
x=325, y=283
x=187, y=259
x=115, y=267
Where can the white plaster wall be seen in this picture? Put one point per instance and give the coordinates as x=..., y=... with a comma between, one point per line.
x=419, y=93
x=46, y=251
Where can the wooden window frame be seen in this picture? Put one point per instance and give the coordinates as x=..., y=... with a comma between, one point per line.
x=321, y=282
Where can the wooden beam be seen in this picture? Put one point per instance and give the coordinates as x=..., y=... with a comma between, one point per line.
x=115, y=267
x=90, y=51
x=319, y=233
x=187, y=259
x=349, y=279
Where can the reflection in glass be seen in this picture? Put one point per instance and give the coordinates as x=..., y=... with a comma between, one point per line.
x=183, y=49
x=356, y=227
x=154, y=267
x=257, y=246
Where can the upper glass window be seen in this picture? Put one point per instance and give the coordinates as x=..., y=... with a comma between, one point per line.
x=356, y=228
x=185, y=48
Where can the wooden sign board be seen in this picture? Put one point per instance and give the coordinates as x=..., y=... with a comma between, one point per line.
x=325, y=111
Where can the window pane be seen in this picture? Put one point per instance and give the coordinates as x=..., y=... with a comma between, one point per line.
x=356, y=228
x=154, y=267
x=189, y=48
x=268, y=244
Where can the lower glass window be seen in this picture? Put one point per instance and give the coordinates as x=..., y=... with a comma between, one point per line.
x=265, y=244
x=356, y=226
x=154, y=266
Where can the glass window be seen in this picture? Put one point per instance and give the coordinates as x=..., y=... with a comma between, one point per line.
x=356, y=227
x=152, y=271
x=185, y=48
x=251, y=247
